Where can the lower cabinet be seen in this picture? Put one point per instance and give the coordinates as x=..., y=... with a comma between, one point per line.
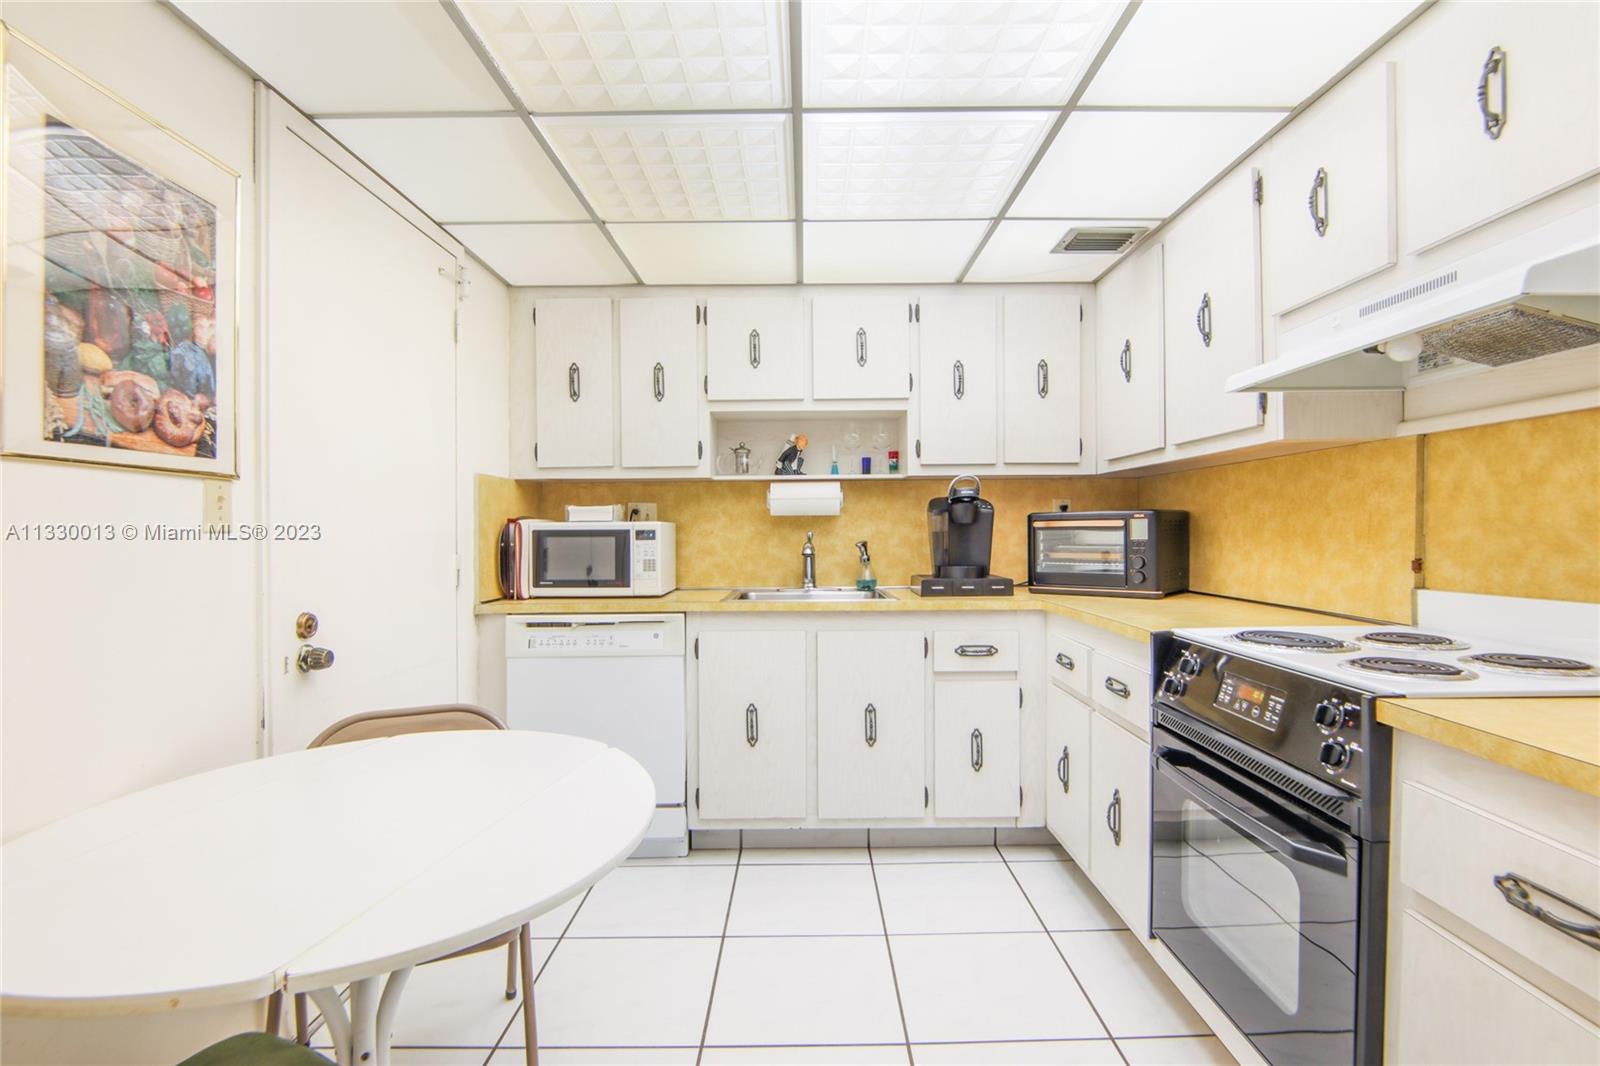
x=870, y=724
x=1119, y=836
x=752, y=724
x=1067, y=771
x=976, y=749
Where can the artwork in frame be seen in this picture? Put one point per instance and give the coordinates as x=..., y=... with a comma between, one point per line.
x=120, y=280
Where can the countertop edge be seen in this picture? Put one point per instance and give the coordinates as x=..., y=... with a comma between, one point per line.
x=1523, y=755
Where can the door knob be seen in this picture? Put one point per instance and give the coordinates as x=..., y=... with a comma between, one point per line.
x=311, y=658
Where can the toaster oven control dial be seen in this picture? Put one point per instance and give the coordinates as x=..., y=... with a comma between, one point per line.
x=1329, y=715
x=1334, y=755
x=1136, y=561
x=1137, y=577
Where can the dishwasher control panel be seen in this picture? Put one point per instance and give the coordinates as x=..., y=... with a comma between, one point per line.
x=566, y=636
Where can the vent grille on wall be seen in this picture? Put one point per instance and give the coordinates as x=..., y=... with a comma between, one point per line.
x=1098, y=241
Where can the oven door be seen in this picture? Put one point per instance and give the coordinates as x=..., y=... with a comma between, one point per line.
x=577, y=559
x=1259, y=902
x=1079, y=553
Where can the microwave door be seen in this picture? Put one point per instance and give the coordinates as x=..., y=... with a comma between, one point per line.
x=581, y=559
x=1092, y=553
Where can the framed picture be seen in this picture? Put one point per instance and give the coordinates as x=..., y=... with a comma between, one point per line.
x=120, y=280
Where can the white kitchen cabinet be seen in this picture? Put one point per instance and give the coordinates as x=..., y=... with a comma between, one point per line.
x=1040, y=363
x=755, y=348
x=870, y=724
x=1328, y=212
x=1067, y=773
x=575, y=421
x=1119, y=812
x=1460, y=165
x=1129, y=379
x=660, y=383
x=860, y=346
x=976, y=749
x=752, y=724
x=1212, y=295
x=958, y=381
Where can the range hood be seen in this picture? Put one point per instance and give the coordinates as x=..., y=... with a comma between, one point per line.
x=1533, y=295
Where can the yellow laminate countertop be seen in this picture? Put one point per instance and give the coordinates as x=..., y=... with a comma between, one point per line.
x=1556, y=738
x=1130, y=617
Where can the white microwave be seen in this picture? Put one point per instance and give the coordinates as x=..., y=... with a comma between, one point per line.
x=539, y=558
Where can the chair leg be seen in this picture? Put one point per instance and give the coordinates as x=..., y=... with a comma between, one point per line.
x=274, y=1011
x=511, y=970
x=302, y=1020
x=530, y=1032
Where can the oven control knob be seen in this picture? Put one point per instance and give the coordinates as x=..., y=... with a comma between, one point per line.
x=1173, y=685
x=1329, y=715
x=1334, y=754
x=1189, y=665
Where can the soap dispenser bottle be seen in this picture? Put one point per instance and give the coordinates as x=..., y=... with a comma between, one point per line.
x=866, y=579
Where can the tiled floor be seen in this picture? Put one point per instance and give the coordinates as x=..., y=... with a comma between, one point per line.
x=835, y=955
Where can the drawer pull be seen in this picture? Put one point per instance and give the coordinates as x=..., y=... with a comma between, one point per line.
x=977, y=750
x=1515, y=889
x=755, y=349
x=1042, y=379
x=1117, y=688
x=871, y=716
x=1317, y=202
x=1494, y=122
x=977, y=651
x=658, y=382
x=1064, y=661
x=861, y=346
x=752, y=725
x=958, y=383
x=574, y=383
x=1114, y=816
x=1064, y=769
x=1202, y=319
x=1125, y=360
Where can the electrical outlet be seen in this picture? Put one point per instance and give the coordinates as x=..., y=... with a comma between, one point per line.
x=639, y=512
x=216, y=502
x=1060, y=505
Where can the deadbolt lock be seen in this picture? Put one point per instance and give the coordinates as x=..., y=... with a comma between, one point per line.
x=305, y=626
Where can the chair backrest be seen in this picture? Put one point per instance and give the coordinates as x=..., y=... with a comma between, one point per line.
x=393, y=723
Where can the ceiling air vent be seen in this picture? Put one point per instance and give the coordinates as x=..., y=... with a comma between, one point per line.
x=1098, y=241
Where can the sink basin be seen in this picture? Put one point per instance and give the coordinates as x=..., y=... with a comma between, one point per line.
x=807, y=595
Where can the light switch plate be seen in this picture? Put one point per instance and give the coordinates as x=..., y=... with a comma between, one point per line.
x=216, y=505
x=647, y=512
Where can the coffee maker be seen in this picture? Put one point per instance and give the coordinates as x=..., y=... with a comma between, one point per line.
x=960, y=537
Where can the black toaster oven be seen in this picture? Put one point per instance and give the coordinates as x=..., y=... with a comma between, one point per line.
x=1109, y=553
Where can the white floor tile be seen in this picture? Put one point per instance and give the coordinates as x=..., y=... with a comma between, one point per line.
x=650, y=901
x=957, y=853
x=953, y=897
x=930, y=838
x=804, y=990
x=1176, y=1051
x=1129, y=990
x=704, y=857
x=990, y=988
x=1063, y=896
x=623, y=993
x=457, y=1003
x=1036, y=835
x=1034, y=853
x=770, y=856
x=437, y=1056
x=1064, y=1052
x=846, y=1053
x=837, y=900
x=764, y=839
x=599, y=1056
x=552, y=924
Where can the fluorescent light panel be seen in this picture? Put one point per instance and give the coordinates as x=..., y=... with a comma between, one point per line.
x=709, y=253
x=889, y=251
x=562, y=253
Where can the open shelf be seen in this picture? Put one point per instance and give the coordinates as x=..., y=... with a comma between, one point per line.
x=852, y=433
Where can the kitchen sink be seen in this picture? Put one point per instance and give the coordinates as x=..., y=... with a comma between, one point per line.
x=807, y=595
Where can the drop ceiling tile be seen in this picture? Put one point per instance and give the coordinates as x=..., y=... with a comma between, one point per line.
x=1237, y=53
x=1019, y=251
x=889, y=251
x=709, y=253
x=558, y=253
x=463, y=169
x=871, y=53
x=869, y=165
x=344, y=57
x=678, y=167
x=1135, y=164
x=638, y=56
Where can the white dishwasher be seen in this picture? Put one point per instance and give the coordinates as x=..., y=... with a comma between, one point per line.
x=616, y=678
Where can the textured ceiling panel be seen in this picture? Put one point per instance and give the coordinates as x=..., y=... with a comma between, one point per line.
x=639, y=56
x=871, y=53
x=930, y=165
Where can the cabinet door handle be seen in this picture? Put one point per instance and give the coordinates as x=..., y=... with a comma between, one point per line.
x=1114, y=817
x=1117, y=688
x=1202, y=319
x=755, y=349
x=871, y=716
x=861, y=346
x=1318, y=202
x=752, y=725
x=1042, y=379
x=574, y=383
x=658, y=382
x=1064, y=769
x=1494, y=122
x=977, y=750
x=1515, y=889
x=1125, y=360
x=958, y=374
x=1064, y=661
x=977, y=651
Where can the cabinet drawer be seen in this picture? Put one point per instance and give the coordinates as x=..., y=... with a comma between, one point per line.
x=1069, y=664
x=1121, y=689
x=975, y=652
x=1451, y=853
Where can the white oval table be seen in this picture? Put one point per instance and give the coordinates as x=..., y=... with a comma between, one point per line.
x=345, y=864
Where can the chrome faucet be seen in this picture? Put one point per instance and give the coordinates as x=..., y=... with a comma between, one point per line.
x=808, y=564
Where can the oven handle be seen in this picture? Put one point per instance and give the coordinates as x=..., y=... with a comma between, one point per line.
x=1295, y=850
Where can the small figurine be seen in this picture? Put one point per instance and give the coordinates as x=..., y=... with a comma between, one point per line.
x=790, y=461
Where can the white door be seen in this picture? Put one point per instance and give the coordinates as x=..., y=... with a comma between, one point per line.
x=360, y=494
x=957, y=383
x=660, y=383
x=1119, y=813
x=573, y=396
x=860, y=346
x=755, y=348
x=1328, y=210
x=1043, y=420
x=1066, y=810
x=1541, y=77
x=870, y=724
x=752, y=725
x=1213, y=311
x=976, y=750
x=1129, y=359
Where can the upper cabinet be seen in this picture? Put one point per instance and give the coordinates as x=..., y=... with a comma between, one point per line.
x=575, y=421
x=755, y=348
x=660, y=382
x=1496, y=109
x=1041, y=369
x=1213, y=311
x=861, y=346
x=1128, y=357
x=958, y=381
x=1329, y=205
